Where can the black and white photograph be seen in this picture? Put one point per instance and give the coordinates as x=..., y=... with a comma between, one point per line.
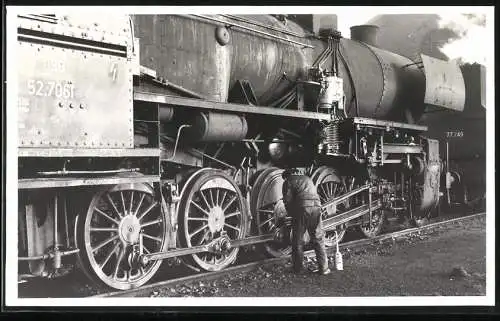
x=249, y=156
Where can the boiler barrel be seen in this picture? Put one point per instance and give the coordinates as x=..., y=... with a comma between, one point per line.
x=204, y=56
x=195, y=53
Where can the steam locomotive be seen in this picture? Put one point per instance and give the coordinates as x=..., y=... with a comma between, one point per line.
x=163, y=137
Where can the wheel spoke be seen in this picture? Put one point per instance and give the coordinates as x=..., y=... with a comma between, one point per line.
x=266, y=211
x=232, y=214
x=117, y=266
x=106, y=216
x=233, y=227
x=198, y=230
x=104, y=243
x=204, y=199
x=148, y=210
x=145, y=248
x=103, y=264
x=223, y=198
x=229, y=203
x=152, y=222
x=207, y=232
x=104, y=229
x=200, y=208
x=217, y=198
x=211, y=197
x=323, y=190
x=123, y=203
x=114, y=206
x=140, y=203
x=152, y=237
x=197, y=219
x=266, y=221
x=335, y=189
x=131, y=201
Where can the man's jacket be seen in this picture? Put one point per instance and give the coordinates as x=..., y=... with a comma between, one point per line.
x=299, y=190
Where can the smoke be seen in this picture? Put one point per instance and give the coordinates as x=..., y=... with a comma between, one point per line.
x=468, y=46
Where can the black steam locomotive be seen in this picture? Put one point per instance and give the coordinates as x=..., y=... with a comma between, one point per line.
x=145, y=138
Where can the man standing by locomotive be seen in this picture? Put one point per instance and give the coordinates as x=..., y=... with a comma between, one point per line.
x=303, y=205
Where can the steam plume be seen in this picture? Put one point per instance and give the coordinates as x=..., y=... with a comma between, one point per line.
x=467, y=47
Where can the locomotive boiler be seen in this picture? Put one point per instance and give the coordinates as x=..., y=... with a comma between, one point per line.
x=155, y=137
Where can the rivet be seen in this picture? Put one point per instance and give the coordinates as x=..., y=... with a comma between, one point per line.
x=81, y=106
x=71, y=105
x=61, y=104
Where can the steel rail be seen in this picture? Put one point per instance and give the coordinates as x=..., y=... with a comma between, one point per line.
x=253, y=265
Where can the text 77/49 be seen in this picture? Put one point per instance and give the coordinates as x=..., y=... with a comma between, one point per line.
x=455, y=134
x=50, y=88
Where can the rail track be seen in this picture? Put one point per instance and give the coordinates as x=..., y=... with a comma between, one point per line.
x=356, y=244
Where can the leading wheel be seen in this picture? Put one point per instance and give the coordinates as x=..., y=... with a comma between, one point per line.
x=420, y=216
x=211, y=204
x=266, y=204
x=377, y=222
x=109, y=230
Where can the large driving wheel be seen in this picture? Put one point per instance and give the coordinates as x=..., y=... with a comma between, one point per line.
x=110, y=229
x=266, y=204
x=330, y=185
x=211, y=204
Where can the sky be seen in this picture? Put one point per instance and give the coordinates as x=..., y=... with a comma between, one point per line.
x=345, y=22
x=470, y=27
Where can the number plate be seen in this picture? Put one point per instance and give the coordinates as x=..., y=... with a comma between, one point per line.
x=70, y=98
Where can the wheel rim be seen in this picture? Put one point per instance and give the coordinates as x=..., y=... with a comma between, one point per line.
x=267, y=207
x=213, y=204
x=329, y=185
x=112, y=225
x=377, y=222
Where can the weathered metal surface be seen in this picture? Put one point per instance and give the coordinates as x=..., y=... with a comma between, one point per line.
x=67, y=97
x=227, y=107
x=382, y=84
x=216, y=127
x=32, y=183
x=185, y=50
x=444, y=84
x=95, y=27
x=91, y=152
